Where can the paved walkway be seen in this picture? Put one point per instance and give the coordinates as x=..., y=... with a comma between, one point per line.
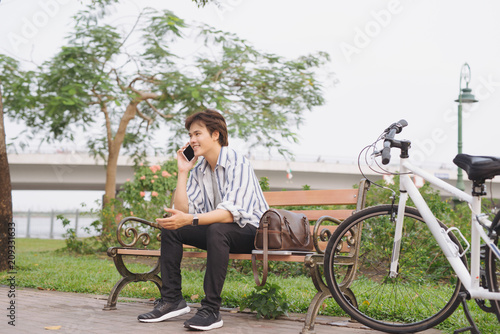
x=40, y=311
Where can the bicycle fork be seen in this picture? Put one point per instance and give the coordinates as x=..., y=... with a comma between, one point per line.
x=449, y=248
x=393, y=273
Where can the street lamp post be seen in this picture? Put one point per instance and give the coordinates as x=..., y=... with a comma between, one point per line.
x=465, y=97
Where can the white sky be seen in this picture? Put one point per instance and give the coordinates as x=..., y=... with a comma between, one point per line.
x=391, y=59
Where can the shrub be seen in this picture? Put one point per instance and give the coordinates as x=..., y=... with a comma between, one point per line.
x=149, y=192
x=145, y=196
x=267, y=300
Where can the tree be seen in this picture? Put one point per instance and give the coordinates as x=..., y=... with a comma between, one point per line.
x=8, y=78
x=5, y=194
x=131, y=80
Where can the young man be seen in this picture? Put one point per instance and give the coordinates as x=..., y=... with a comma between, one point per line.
x=216, y=208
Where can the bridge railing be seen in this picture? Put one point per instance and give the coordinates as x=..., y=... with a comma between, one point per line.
x=45, y=225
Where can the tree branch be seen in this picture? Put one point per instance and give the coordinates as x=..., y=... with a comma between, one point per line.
x=118, y=81
x=167, y=117
x=145, y=117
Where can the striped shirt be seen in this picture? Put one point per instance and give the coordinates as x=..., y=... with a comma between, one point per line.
x=236, y=183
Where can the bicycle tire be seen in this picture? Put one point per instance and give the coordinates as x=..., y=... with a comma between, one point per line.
x=492, y=269
x=422, y=295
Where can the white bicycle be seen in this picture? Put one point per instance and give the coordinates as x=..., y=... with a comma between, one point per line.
x=412, y=271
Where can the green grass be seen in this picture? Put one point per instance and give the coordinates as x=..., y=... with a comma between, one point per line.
x=43, y=264
x=38, y=245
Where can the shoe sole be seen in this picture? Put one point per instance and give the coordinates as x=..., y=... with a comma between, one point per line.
x=207, y=328
x=169, y=315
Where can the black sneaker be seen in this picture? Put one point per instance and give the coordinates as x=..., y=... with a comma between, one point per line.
x=165, y=310
x=204, y=320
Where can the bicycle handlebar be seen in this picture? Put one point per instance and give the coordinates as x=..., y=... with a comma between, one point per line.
x=391, y=131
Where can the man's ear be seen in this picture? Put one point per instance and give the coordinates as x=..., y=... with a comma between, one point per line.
x=215, y=135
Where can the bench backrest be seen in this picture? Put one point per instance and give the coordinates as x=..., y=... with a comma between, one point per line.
x=313, y=198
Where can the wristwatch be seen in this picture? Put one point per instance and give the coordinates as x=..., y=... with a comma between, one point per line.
x=195, y=220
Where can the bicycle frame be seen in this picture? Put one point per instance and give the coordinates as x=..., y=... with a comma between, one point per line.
x=471, y=281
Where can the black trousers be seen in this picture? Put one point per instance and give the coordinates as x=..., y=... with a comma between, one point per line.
x=218, y=240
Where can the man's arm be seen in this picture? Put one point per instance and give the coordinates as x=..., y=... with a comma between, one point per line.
x=179, y=219
x=181, y=201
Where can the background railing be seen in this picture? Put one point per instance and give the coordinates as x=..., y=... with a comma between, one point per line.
x=45, y=225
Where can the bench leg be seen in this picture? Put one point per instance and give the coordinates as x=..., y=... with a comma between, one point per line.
x=113, y=294
x=314, y=262
x=312, y=312
x=127, y=277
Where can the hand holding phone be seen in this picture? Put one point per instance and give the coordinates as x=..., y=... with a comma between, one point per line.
x=188, y=153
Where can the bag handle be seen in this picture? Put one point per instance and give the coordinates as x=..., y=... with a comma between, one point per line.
x=306, y=226
x=265, y=257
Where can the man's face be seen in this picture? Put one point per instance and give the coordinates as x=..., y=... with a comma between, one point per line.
x=201, y=140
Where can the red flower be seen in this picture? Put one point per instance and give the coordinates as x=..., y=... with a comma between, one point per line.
x=155, y=168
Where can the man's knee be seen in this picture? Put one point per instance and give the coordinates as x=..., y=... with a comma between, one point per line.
x=169, y=235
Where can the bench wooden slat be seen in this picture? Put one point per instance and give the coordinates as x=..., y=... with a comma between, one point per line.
x=286, y=258
x=202, y=255
x=138, y=252
x=313, y=215
x=312, y=197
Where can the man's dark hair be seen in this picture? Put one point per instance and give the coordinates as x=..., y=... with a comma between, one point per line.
x=213, y=121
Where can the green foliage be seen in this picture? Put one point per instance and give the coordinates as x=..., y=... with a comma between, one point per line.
x=267, y=300
x=105, y=225
x=281, y=269
x=73, y=244
x=150, y=191
x=145, y=197
x=127, y=81
x=103, y=240
x=15, y=83
x=264, y=183
x=101, y=77
x=202, y=3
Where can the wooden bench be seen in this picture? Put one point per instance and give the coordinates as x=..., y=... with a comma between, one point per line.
x=320, y=232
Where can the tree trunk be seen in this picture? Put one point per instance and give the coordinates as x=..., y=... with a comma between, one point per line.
x=109, y=191
x=111, y=167
x=114, y=145
x=6, y=224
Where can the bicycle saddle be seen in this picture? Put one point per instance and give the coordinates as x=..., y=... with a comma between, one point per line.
x=478, y=168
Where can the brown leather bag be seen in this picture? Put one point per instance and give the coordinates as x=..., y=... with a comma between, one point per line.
x=280, y=230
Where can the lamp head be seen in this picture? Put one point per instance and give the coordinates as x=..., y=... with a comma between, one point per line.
x=465, y=94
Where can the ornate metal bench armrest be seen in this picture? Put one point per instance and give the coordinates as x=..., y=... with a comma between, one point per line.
x=323, y=234
x=131, y=232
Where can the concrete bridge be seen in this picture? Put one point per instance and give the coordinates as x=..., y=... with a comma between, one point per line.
x=67, y=171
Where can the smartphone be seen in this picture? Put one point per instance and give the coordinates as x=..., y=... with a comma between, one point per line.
x=188, y=153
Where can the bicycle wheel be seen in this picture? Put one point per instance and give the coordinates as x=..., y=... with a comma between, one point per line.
x=423, y=294
x=492, y=269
